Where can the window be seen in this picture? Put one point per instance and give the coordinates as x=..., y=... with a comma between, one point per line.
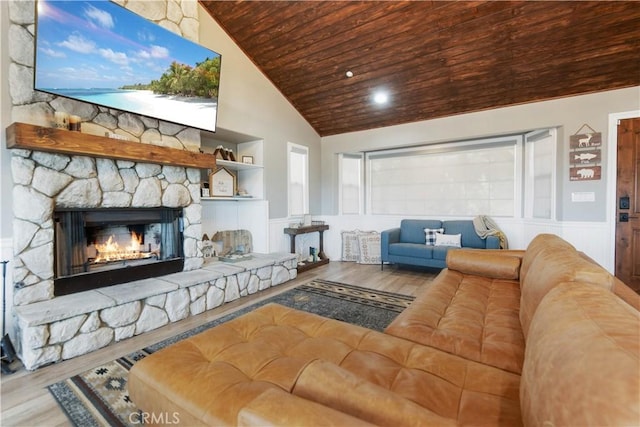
x=468, y=178
x=351, y=179
x=540, y=180
x=298, y=179
x=507, y=176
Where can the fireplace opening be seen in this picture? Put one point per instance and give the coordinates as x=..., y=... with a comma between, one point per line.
x=103, y=247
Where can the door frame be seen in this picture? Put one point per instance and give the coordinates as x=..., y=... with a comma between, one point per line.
x=612, y=179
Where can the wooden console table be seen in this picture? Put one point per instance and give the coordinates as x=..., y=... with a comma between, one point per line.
x=322, y=258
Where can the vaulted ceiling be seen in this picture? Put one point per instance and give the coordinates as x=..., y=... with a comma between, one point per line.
x=432, y=58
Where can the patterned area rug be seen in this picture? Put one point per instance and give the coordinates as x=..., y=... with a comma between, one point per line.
x=99, y=396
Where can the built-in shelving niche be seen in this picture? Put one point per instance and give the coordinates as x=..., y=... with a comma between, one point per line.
x=249, y=177
x=235, y=213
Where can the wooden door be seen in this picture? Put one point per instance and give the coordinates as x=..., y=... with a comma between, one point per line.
x=628, y=203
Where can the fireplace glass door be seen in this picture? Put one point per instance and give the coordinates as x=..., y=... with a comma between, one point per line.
x=102, y=247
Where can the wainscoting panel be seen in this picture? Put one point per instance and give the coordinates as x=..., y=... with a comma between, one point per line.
x=592, y=238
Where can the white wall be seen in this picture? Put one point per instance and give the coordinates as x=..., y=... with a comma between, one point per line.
x=249, y=103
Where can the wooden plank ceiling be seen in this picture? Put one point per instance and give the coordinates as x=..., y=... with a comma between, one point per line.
x=435, y=58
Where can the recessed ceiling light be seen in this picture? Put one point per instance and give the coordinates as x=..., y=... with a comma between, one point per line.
x=349, y=74
x=381, y=97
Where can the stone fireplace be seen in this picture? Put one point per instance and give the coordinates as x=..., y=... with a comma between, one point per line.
x=51, y=187
x=103, y=247
x=62, y=201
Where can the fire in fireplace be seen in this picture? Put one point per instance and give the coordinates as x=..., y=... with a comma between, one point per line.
x=111, y=251
x=103, y=247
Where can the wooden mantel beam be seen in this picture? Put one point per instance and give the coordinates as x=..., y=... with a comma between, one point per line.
x=38, y=138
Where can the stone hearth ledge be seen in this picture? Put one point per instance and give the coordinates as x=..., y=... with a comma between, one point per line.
x=72, y=325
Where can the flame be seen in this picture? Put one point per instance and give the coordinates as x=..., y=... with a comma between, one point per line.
x=111, y=251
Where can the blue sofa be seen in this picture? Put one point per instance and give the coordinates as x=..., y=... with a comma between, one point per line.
x=407, y=243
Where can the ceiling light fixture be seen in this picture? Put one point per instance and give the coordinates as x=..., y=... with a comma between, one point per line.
x=349, y=74
x=381, y=97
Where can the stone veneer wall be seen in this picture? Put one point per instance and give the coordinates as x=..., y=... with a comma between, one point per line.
x=44, y=182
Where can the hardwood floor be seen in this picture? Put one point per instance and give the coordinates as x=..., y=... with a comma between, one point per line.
x=25, y=401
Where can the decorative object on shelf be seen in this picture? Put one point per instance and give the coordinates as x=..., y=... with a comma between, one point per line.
x=222, y=183
x=585, y=155
x=247, y=159
x=61, y=120
x=243, y=193
x=74, y=123
x=233, y=242
x=205, y=190
x=230, y=156
x=115, y=136
x=220, y=153
x=317, y=222
x=208, y=250
x=307, y=220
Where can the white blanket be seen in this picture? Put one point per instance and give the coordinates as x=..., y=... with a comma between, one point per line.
x=485, y=226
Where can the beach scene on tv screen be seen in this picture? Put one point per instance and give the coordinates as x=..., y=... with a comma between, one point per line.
x=102, y=53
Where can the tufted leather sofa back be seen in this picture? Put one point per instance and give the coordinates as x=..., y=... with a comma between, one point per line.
x=582, y=360
x=537, y=245
x=549, y=260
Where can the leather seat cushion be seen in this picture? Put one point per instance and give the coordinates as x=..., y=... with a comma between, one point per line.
x=471, y=316
x=214, y=375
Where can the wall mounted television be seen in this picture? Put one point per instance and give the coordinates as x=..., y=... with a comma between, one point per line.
x=101, y=53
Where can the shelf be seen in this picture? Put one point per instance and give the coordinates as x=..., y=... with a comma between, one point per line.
x=310, y=265
x=305, y=229
x=238, y=166
x=230, y=199
x=38, y=138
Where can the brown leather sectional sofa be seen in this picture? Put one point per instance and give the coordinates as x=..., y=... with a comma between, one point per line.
x=537, y=337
